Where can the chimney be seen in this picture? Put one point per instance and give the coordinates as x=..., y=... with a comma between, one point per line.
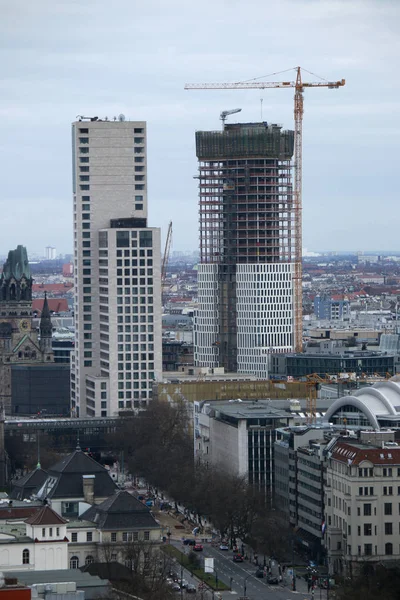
x=88, y=488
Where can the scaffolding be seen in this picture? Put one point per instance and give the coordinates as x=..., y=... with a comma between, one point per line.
x=247, y=213
x=246, y=195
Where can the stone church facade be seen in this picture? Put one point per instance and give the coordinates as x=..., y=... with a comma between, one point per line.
x=19, y=343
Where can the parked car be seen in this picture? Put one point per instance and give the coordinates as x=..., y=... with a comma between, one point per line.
x=175, y=587
x=223, y=547
x=190, y=588
x=259, y=573
x=189, y=542
x=198, y=547
x=237, y=558
x=183, y=583
x=272, y=579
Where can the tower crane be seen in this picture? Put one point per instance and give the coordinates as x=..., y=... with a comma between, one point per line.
x=165, y=259
x=298, y=85
x=226, y=113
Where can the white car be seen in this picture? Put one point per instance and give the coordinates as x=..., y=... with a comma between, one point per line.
x=223, y=547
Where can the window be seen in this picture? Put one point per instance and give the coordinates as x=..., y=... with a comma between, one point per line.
x=50, y=532
x=388, y=548
x=145, y=239
x=74, y=562
x=25, y=557
x=89, y=536
x=388, y=508
x=123, y=239
x=89, y=560
x=147, y=535
x=368, y=549
x=387, y=472
x=127, y=536
x=138, y=206
x=367, y=510
x=367, y=529
x=57, y=531
x=388, y=528
x=74, y=537
x=113, y=537
x=43, y=532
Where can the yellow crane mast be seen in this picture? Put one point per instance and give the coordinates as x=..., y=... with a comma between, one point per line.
x=298, y=85
x=165, y=259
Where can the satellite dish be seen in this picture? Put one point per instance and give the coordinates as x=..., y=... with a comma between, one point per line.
x=121, y=117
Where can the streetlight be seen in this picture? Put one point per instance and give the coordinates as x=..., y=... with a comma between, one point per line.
x=181, y=582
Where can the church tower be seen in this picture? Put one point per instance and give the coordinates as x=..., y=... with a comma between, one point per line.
x=46, y=329
x=19, y=344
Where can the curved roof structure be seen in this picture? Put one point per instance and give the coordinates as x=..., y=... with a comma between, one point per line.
x=380, y=401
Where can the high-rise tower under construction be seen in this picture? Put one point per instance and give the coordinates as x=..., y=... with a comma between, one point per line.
x=246, y=278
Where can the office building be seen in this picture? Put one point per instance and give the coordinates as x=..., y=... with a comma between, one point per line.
x=300, y=483
x=248, y=228
x=358, y=362
x=117, y=351
x=238, y=437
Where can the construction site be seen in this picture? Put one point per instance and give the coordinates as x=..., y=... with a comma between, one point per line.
x=250, y=272
x=247, y=245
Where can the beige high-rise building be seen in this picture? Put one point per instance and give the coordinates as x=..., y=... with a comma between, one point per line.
x=117, y=261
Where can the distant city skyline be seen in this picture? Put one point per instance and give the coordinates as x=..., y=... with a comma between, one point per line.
x=350, y=187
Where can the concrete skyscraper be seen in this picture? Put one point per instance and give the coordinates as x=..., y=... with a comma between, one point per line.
x=247, y=247
x=117, y=270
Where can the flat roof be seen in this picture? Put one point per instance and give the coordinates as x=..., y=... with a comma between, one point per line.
x=82, y=579
x=249, y=409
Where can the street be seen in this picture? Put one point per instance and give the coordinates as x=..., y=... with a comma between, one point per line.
x=241, y=576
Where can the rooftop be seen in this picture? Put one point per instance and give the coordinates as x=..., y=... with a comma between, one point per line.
x=354, y=453
x=248, y=409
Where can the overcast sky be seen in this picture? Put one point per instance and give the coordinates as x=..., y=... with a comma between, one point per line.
x=61, y=58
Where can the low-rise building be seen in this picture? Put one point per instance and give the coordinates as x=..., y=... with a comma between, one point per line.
x=238, y=437
x=38, y=543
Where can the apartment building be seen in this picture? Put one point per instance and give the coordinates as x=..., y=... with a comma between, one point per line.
x=117, y=353
x=362, y=502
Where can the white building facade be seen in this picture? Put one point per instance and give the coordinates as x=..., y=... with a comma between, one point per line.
x=117, y=269
x=362, y=505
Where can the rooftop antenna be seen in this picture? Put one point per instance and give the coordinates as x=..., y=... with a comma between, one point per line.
x=226, y=113
x=121, y=118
